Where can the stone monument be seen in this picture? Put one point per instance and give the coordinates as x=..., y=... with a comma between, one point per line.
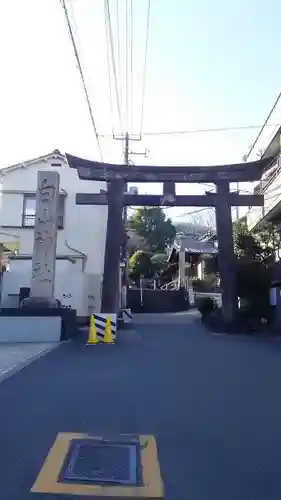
x=45, y=242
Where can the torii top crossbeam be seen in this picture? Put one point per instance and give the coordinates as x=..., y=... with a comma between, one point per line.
x=236, y=172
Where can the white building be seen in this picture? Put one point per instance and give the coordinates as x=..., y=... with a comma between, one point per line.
x=268, y=144
x=80, y=239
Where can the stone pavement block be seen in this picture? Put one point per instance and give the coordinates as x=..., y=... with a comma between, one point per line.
x=14, y=357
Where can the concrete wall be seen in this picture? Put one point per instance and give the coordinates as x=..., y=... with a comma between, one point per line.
x=74, y=288
x=158, y=301
x=30, y=329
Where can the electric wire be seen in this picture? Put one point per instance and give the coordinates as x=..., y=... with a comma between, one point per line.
x=79, y=65
x=264, y=125
x=186, y=214
x=200, y=130
x=206, y=130
x=109, y=71
x=118, y=46
x=108, y=21
x=73, y=21
x=131, y=65
x=127, y=65
x=145, y=66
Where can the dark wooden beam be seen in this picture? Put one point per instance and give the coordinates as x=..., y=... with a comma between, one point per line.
x=245, y=200
x=169, y=188
x=226, y=258
x=114, y=239
x=237, y=172
x=152, y=200
x=169, y=193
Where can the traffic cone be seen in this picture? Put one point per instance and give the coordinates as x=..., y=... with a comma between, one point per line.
x=108, y=339
x=92, y=337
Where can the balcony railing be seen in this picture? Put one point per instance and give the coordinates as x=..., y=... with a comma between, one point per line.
x=29, y=220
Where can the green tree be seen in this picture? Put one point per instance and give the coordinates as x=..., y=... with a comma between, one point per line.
x=152, y=224
x=255, y=251
x=159, y=261
x=259, y=245
x=140, y=265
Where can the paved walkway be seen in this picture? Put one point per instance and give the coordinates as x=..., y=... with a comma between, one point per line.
x=14, y=357
x=213, y=405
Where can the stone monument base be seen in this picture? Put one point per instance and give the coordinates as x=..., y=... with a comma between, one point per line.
x=30, y=329
x=46, y=319
x=39, y=302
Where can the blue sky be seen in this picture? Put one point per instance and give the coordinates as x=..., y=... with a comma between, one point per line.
x=210, y=64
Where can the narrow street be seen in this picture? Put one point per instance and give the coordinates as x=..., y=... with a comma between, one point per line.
x=212, y=404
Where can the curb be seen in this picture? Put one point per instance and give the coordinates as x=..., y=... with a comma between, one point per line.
x=20, y=366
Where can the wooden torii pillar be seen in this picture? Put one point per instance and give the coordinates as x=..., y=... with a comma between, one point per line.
x=116, y=198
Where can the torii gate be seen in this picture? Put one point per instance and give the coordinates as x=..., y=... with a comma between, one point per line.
x=116, y=198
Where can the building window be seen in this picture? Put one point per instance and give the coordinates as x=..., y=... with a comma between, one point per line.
x=29, y=203
x=29, y=210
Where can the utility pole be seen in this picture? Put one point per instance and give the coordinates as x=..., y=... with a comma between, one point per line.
x=126, y=149
x=123, y=253
x=126, y=162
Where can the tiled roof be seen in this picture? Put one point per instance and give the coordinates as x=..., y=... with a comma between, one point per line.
x=54, y=154
x=194, y=246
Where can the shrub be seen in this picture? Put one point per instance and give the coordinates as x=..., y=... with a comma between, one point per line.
x=205, y=305
x=198, y=285
x=208, y=284
x=159, y=261
x=252, y=286
x=140, y=265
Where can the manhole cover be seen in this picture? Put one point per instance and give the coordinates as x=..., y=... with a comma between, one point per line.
x=102, y=462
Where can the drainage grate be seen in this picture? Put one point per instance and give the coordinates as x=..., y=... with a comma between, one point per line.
x=102, y=462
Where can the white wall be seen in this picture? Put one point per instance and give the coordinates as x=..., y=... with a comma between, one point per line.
x=74, y=288
x=84, y=226
x=11, y=209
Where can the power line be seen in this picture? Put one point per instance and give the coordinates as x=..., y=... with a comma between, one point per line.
x=63, y=3
x=201, y=130
x=108, y=23
x=264, y=125
x=109, y=72
x=118, y=41
x=186, y=214
x=131, y=67
x=74, y=24
x=206, y=130
x=145, y=65
x=127, y=65
x=271, y=197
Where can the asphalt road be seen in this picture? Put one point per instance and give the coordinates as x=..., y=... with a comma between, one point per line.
x=212, y=403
